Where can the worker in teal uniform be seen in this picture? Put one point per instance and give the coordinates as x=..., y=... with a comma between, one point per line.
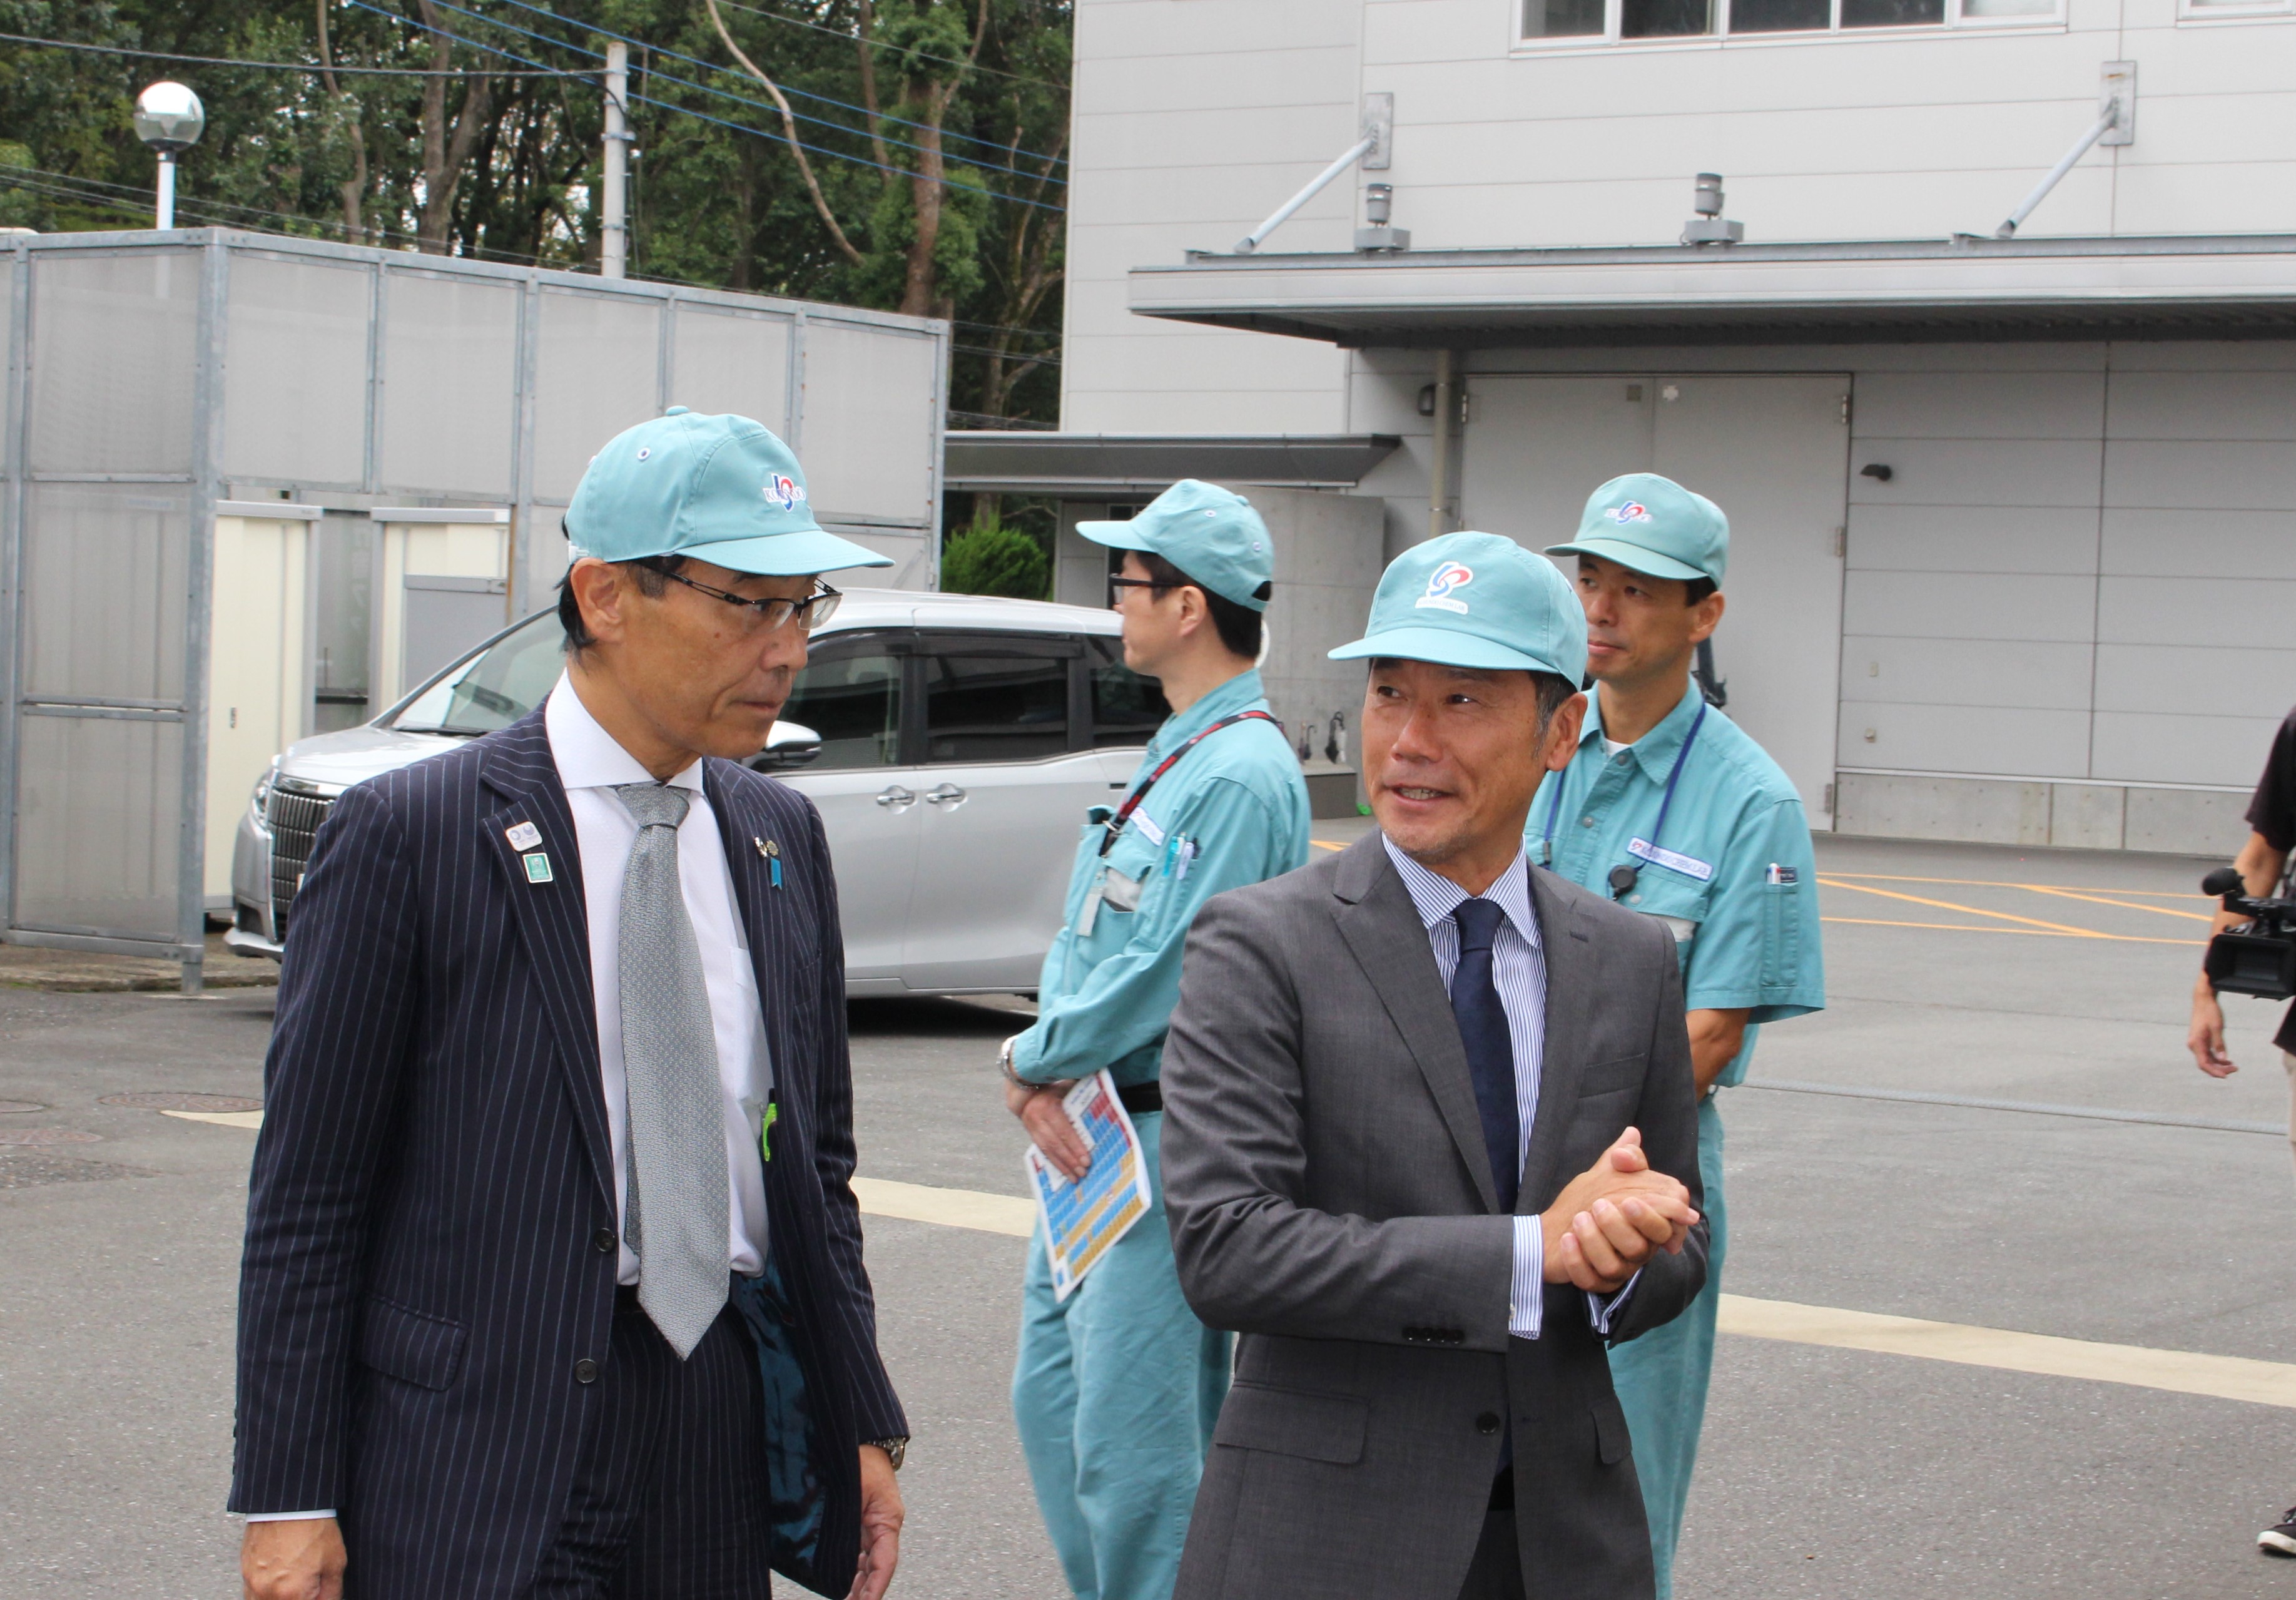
x=1672, y=810
x=1117, y=1387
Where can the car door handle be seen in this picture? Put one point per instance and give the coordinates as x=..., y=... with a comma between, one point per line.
x=940, y=792
x=893, y=794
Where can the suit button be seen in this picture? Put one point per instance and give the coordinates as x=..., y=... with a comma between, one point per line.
x=604, y=1239
x=1488, y=1422
x=586, y=1371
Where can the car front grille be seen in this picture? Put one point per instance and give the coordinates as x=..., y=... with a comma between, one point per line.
x=293, y=814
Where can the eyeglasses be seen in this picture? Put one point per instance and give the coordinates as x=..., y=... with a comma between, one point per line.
x=773, y=614
x=1117, y=585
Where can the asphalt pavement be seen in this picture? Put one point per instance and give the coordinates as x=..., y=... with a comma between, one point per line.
x=1993, y=1124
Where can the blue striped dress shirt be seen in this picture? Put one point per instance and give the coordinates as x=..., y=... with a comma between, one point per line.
x=1519, y=970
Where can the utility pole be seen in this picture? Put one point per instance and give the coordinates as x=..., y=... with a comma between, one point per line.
x=613, y=228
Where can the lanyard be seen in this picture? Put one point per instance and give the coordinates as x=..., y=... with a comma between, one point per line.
x=1666, y=800
x=1132, y=801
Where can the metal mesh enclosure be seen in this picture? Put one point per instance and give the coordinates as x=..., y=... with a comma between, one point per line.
x=732, y=361
x=115, y=346
x=449, y=384
x=597, y=371
x=295, y=388
x=162, y=381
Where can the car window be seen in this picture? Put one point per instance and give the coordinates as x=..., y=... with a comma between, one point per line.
x=852, y=699
x=1126, y=708
x=993, y=706
x=495, y=687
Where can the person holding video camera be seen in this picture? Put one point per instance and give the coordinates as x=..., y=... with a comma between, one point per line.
x=2262, y=864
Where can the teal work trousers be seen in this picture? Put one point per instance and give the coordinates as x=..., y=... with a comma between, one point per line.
x=1661, y=1377
x=1115, y=1395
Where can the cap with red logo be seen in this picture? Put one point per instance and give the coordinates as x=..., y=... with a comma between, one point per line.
x=719, y=488
x=1475, y=599
x=1654, y=525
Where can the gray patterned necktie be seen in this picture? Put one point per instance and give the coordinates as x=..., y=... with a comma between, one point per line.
x=678, y=1196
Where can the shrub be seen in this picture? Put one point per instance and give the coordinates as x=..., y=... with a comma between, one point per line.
x=993, y=559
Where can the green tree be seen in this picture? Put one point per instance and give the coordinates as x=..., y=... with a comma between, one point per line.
x=935, y=182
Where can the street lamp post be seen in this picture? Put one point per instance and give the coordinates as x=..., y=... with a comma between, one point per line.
x=169, y=119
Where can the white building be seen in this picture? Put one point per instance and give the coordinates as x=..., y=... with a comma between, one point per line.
x=2014, y=552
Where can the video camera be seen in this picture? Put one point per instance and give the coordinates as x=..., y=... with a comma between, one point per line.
x=2260, y=959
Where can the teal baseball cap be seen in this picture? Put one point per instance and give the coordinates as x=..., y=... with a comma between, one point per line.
x=1476, y=600
x=1209, y=533
x=1654, y=525
x=719, y=488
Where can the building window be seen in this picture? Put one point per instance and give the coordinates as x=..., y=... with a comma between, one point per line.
x=1597, y=22
x=2194, y=10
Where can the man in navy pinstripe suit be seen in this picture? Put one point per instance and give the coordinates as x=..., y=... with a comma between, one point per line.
x=553, y=1283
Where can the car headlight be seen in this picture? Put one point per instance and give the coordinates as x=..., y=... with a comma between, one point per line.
x=262, y=796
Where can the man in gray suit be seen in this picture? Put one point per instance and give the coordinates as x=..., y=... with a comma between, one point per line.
x=1422, y=1108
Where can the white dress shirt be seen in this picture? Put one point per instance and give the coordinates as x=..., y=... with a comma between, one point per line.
x=590, y=763
x=1518, y=972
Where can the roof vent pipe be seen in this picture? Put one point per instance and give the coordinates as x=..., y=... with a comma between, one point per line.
x=1378, y=133
x=2116, y=124
x=1709, y=227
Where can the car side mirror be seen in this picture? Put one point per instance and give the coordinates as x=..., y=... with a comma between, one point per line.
x=789, y=746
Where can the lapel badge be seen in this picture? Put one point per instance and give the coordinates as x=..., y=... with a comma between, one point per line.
x=772, y=852
x=538, y=867
x=522, y=836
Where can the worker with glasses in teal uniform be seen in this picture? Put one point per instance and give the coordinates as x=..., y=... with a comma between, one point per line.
x=1118, y=1385
x=1672, y=810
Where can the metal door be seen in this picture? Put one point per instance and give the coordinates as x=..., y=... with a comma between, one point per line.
x=851, y=694
x=1007, y=781
x=1772, y=451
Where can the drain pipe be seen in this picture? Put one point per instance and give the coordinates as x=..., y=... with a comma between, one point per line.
x=2104, y=125
x=1438, y=477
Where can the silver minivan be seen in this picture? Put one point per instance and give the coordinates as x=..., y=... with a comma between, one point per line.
x=953, y=743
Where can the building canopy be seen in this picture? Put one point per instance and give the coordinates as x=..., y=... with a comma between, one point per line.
x=1964, y=289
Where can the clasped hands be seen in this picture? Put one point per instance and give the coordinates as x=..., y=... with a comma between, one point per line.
x=1613, y=1218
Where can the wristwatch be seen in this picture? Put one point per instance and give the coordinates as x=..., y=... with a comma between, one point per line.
x=1005, y=1062
x=898, y=1448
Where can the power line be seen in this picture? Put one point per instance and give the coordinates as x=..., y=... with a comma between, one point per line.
x=854, y=39
x=226, y=61
x=66, y=186
x=998, y=327
x=1022, y=357
x=743, y=100
x=837, y=155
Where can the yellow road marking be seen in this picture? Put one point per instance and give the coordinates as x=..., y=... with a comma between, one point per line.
x=2144, y=894
x=2098, y=899
x=2006, y=916
x=221, y=1118
x=2178, y=1372
x=2132, y=939
x=2003, y=1350
x=1325, y=844
x=951, y=1208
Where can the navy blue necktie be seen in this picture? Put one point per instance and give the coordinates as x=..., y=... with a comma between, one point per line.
x=1490, y=1047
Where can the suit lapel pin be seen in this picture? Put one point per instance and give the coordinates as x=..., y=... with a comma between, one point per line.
x=522, y=836
x=772, y=852
x=538, y=867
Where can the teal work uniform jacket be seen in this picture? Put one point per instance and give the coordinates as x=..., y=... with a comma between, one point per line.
x=1748, y=931
x=1232, y=811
